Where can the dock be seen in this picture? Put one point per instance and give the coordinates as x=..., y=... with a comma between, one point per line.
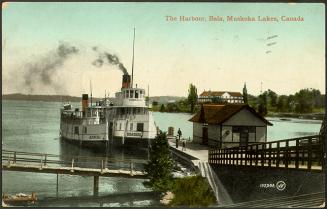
x=293, y=160
x=73, y=165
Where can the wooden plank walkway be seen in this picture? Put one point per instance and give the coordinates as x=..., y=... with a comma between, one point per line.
x=78, y=165
x=303, y=153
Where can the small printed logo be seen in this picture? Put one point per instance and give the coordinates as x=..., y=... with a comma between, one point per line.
x=280, y=185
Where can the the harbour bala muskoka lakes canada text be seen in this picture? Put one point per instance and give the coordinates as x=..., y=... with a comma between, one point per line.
x=217, y=18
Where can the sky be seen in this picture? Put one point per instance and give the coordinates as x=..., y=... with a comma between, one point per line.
x=49, y=48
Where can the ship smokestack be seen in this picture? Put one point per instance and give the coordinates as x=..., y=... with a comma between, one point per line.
x=85, y=102
x=126, y=81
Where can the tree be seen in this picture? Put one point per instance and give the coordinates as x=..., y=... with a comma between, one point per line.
x=192, y=97
x=304, y=101
x=272, y=98
x=262, y=107
x=216, y=99
x=245, y=94
x=290, y=103
x=162, y=108
x=159, y=169
x=281, y=103
x=154, y=103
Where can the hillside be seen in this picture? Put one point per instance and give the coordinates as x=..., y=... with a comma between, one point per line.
x=59, y=98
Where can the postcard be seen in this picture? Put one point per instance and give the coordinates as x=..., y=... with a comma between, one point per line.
x=163, y=104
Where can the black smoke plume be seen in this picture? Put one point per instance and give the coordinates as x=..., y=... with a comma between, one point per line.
x=42, y=71
x=110, y=59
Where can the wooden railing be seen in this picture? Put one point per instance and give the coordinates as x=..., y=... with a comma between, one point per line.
x=56, y=161
x=297, y=153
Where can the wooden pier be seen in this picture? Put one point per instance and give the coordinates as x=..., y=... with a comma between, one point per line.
x=73, y=165
x=303, y=153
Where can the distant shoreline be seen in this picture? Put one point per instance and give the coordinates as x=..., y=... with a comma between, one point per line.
x=66, y=98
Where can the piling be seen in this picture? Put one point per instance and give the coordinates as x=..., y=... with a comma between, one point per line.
x=57, y=188
x=96, y=185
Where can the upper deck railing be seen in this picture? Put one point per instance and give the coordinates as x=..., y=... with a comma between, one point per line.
x=306, y=153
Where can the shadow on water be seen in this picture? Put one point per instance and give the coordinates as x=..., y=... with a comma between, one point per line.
x=113, y=157
x=118, y=199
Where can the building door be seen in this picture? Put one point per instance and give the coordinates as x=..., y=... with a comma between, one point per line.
x=244, y=138
x=205, y=135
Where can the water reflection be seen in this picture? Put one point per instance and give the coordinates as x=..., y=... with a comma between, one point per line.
x=118, y=200
x=117, y=157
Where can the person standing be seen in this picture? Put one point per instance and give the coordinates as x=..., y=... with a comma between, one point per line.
x=179, y=133
x=184, y=145
x=176, y=142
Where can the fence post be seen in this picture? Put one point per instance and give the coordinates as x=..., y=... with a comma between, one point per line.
x=309, y=153
x=72, y=169
x=41, y=162
x=278, y=154
x=101, y=166
x=245, y=154
x=286, y=155
x=45, y=159
x=131, y=164
x=233, y=150
x=263, y=152
x=256, y=155
x=269, y=161
x=297, y=154
x=251, y=153
x=9, y=160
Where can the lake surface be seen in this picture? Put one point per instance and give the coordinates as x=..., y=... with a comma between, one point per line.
x=33, y=126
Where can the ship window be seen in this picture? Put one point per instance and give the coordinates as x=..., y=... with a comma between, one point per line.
x=85, y=130
x=131, y=127
x=76, y=131
x=138, y=110
x=119, y=126
x=132, y=94
x=136, y=94
x=127, y=94
x=140, y=126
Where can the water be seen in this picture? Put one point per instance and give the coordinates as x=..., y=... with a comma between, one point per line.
x=33, y=126
x=281, y=129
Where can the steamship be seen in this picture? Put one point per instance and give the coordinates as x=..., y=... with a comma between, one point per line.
x=124, y=121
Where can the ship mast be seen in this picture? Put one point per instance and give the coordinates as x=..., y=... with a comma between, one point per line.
x=133, y=59
x=91, y=91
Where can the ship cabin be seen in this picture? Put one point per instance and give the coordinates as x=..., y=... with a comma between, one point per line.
x=87, y=116
x=228, y=125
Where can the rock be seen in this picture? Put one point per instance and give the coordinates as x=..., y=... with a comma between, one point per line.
x=167, y=198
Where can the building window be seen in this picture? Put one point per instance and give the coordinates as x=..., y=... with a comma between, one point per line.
x=119, y=126
x=85, y=130
x=140, y=126
x=131, y=127
x=76, y=130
